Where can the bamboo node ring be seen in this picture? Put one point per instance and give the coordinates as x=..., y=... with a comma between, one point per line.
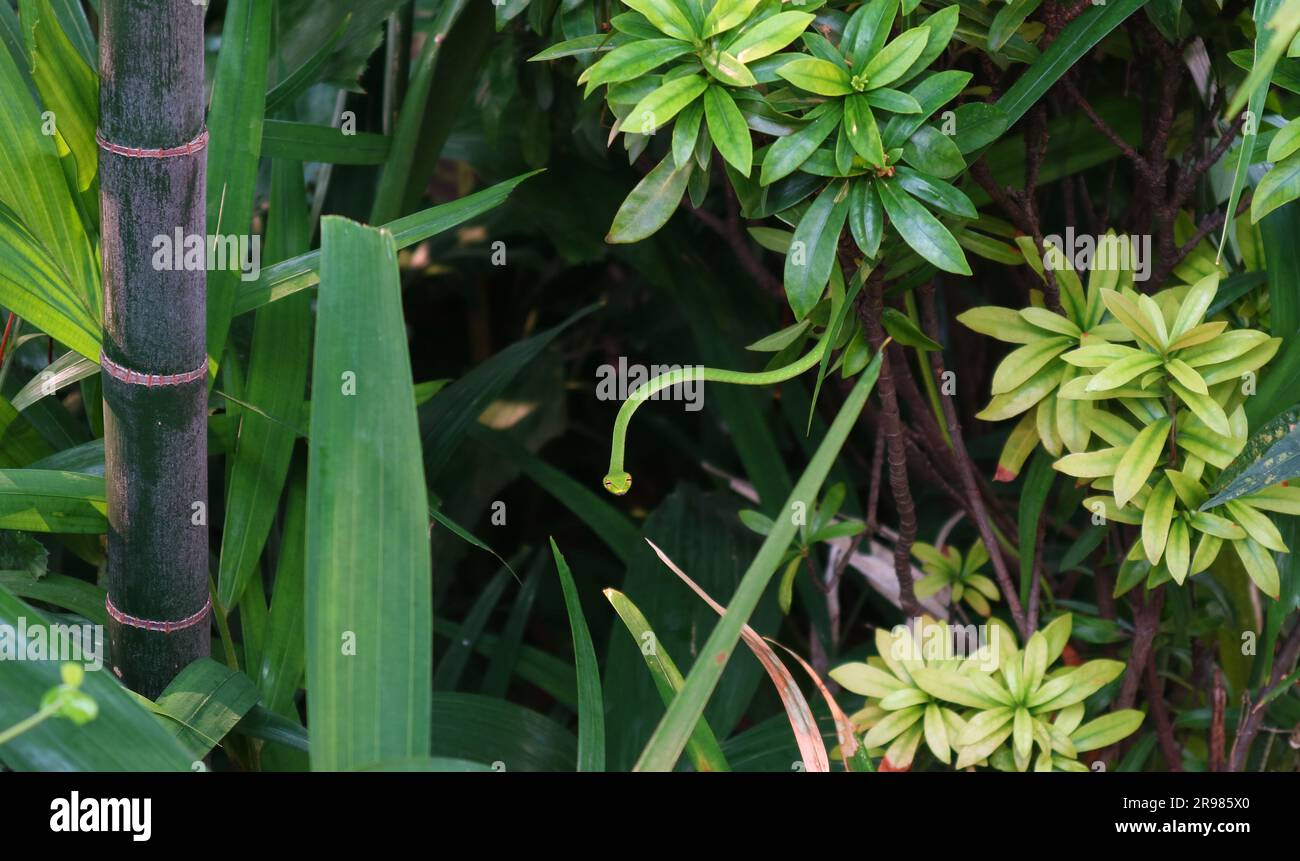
x=153, y=625
x=196, y=145
x=139, y=378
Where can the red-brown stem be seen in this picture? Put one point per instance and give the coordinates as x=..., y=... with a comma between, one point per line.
x=891, y=424
x=966, y=470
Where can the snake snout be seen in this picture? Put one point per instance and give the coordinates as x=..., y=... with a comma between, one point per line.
x=618, y=483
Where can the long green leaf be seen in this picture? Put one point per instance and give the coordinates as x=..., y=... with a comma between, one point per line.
x=283, y=655
x=702, y=530
x=406, y=136
x=303, y=271
x=1256, y=90
x=277, y=380
x=1078, y=38
x=591, y=704
x=43, y=500
x=703, y=747
x=1033, y=496
x=311, y=142
x=69, y=593
x=368, y=580
x=33, y=186
x=235, y=122
x=68, y=86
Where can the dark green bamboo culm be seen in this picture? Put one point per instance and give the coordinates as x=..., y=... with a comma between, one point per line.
x=152, y=163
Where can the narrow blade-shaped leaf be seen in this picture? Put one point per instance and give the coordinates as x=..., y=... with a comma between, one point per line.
x=591, y=704
x=368, y=582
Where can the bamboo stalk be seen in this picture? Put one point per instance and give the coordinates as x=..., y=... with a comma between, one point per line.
x=152, y=164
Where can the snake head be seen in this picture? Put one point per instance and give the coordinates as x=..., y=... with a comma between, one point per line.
x=618, y=483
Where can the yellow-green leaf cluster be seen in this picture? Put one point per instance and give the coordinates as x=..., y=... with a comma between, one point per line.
x=992, y=707
x=948, y=568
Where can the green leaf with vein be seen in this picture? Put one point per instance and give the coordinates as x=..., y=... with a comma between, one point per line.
x=727, y=129
x=43, y=500
x=817, y=76
x=1139, y=460
x=655, y=110
x=591, y=704
x=921, y=230
x=895, y=58
x=203, y=703
x=1280, y=186
x=367, y=564
x=277, y=379
x=35, y=287
x=303, y=271
x=34, y=189
x=812, y=251
x=235, y=120
x=1271, y=456
x=68, y=87
x=703, y=749
x=313, y=142
x=651, y=203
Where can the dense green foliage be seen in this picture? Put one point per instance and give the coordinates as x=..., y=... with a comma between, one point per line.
x=813, y=229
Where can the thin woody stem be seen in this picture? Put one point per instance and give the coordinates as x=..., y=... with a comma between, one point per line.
x=891, y=425
x=966, y=470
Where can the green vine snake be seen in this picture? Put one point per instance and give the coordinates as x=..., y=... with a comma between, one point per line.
x=618, y=482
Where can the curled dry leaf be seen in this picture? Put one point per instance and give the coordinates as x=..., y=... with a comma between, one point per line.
x=806, y=732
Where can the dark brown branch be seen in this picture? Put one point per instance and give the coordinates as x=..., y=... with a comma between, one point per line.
x=1146, y=621
x=1218, y=733
x=1208, y=225
x=1155, y=693
x=891, y=424
x=1253, y=716
x=1187, y=181
x=1139, y=163
x=966, y=470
